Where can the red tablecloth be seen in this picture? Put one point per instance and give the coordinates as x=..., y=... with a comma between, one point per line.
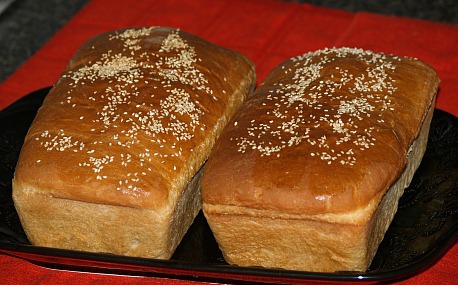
x=268, y=32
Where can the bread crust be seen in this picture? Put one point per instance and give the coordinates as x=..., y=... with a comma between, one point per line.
x=319, y=129
x=316, y=160
x=127, y=126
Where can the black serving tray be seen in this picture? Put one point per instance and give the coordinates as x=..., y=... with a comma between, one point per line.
x=424, y=228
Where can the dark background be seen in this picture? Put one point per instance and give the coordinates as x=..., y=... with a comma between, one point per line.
x=26, y=25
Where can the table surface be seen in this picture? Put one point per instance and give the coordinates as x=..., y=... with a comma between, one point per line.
x=21, y=38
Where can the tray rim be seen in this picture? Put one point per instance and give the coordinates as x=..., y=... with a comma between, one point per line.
x=80, y=261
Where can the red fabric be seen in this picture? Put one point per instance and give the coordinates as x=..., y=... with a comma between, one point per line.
x=268, y=32
x=433, y=43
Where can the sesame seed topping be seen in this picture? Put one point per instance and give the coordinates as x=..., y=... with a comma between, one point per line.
x=325, y=116
x=171, y=115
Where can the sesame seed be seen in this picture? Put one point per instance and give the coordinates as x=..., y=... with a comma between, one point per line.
x=312, y=91
x=177, y=115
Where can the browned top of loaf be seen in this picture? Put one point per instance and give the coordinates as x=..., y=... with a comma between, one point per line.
x=326, y=132
x=126, y=122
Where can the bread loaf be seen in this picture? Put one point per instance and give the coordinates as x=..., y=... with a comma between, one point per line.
x=110, y=162
x=308, y=174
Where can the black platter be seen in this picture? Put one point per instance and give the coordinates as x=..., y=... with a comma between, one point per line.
x=424, y=228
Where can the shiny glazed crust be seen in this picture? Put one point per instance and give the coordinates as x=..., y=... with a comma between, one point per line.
x=108, y=160
x=300, y=175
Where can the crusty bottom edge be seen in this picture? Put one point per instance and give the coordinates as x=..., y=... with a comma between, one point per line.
x=76, y=225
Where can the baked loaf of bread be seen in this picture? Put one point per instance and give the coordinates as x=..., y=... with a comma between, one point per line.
x=110, y=161
x=308, y=174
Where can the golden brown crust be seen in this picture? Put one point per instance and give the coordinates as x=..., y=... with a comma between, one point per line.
x=130, y=122
x=308, y=174
x=133, y=117
x=325, y=133
x=307, y=242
